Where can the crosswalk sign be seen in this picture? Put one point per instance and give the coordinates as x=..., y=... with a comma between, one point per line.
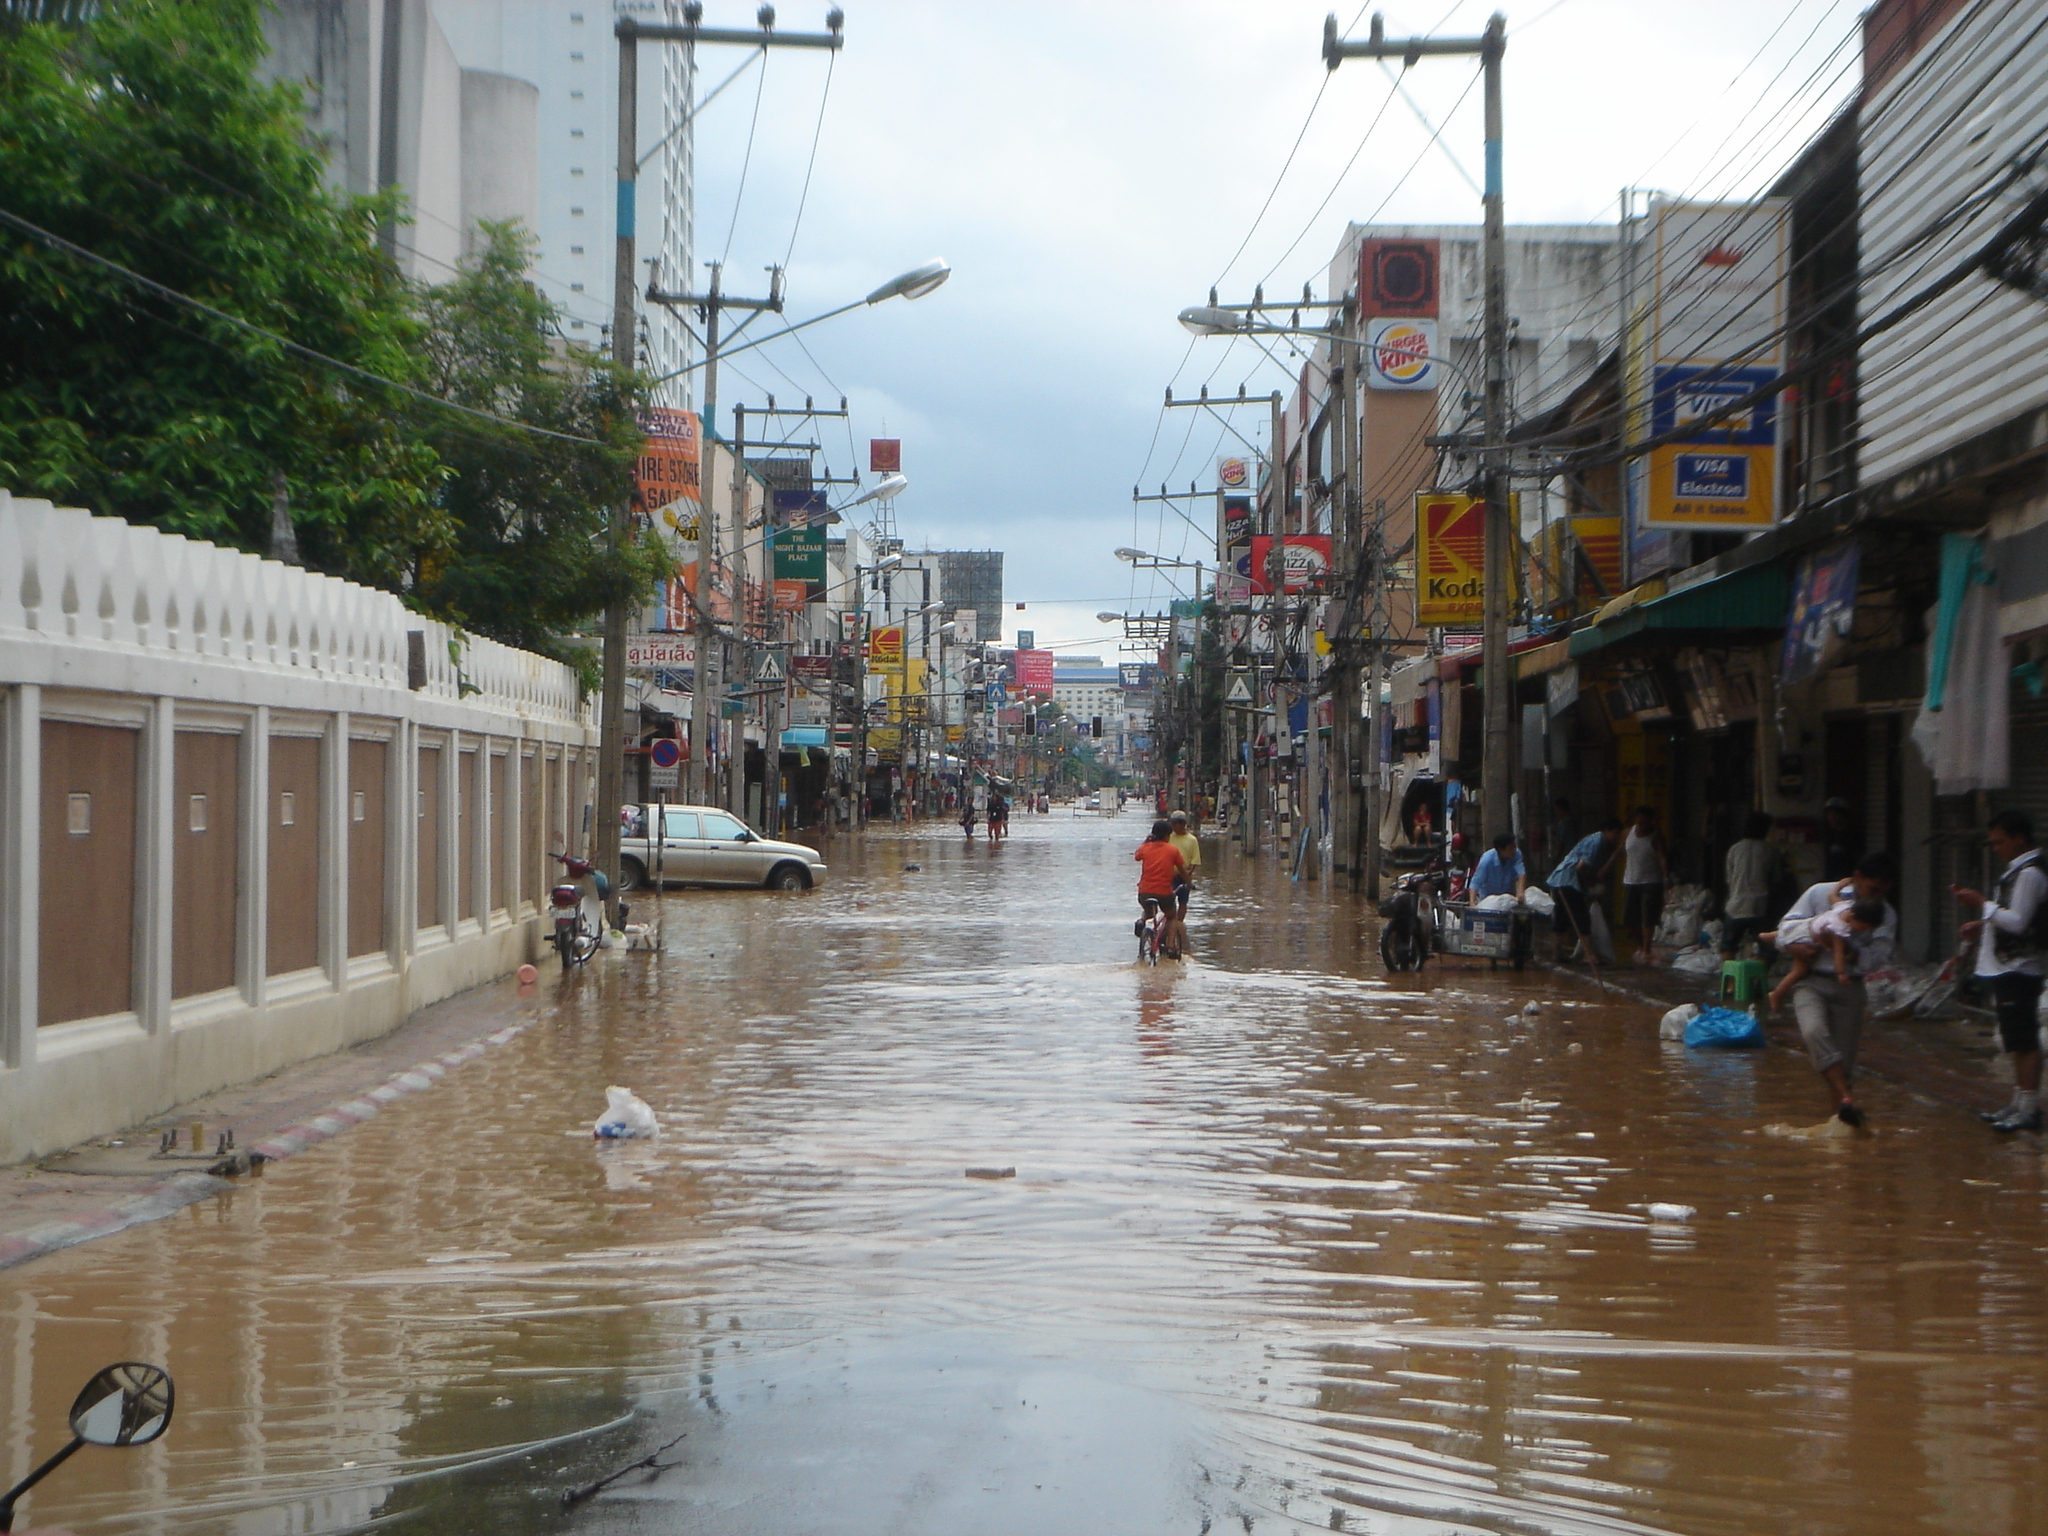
x=768, y=667
x=1240, y=689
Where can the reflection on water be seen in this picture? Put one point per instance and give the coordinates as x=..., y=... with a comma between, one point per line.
x=1288, y=1248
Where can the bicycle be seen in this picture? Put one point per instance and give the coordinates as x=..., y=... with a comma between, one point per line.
x=1151, y=930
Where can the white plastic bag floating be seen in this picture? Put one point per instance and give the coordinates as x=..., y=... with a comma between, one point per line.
x=625, y=1114
x=1673, y=1025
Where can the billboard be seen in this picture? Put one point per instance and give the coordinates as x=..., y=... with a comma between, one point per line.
x=1450, y=559
x=1398, y=277
x=1307, y=558
x=667, y=471
x=1723, y=470
x=885, y=649
x=800, y=557
x=1237, y=520
x=1716, y=335
x=1233, y=474
x=1034, y=671
x=1401, y=354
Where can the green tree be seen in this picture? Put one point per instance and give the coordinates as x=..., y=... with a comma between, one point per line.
x=141, y=135
x=529, y=558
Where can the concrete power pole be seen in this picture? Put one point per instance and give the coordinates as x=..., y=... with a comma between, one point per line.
x=1497, y=764
x=611, y=751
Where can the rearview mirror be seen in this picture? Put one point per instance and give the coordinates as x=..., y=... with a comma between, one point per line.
x=125, y=1404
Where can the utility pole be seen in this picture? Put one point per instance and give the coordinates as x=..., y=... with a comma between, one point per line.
x=611, y=749
x=1496, y=766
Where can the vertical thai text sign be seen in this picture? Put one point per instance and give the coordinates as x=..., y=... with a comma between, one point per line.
x=1717, y=324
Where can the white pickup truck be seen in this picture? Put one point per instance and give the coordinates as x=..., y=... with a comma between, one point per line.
x=706, y=845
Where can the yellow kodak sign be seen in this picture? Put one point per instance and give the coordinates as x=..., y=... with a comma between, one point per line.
x=1450, y=560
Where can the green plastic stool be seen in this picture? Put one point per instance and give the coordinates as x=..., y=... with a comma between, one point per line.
x=1742, y=981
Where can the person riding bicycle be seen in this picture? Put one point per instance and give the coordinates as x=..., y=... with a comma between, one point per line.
x=1190, y=848
x=1163, y=864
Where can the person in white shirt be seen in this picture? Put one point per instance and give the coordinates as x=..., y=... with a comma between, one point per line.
x=1829, y=1007
x=1644, y=874
x=2009, y=957
x=1752, y=869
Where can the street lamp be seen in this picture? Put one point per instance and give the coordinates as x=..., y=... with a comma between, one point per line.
x=914, y=284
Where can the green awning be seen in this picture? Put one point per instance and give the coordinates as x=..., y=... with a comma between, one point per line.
x=1747, y=599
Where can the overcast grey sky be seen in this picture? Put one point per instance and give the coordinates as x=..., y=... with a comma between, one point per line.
x=1089, y=169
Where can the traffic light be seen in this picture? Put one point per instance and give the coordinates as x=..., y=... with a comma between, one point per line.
x=1095, y=727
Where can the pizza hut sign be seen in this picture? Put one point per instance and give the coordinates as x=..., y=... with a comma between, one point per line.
x=1306, y=558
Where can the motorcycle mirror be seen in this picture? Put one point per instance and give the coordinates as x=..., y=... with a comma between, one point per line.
x=125, y=1404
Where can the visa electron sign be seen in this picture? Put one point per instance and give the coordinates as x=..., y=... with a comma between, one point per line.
x=1450, y=560
x=1716, y=336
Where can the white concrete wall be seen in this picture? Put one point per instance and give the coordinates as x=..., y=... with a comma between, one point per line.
x=100, y=620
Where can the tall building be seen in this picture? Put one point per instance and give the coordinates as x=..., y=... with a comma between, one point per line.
x=972, y=580
x=505, y=109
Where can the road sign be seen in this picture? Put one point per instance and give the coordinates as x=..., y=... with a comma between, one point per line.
x=998, y=695
x=665, y=752
x=664, y=778
x=768, y=667
x=1240, y=689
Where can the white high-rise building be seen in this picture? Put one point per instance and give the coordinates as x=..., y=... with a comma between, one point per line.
x=507, y=109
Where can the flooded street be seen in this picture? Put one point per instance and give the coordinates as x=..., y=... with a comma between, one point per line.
x=1287, y=1248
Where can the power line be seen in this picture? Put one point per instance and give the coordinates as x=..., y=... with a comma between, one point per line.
x=825, y=96
x=740, y=192
x=150, y=285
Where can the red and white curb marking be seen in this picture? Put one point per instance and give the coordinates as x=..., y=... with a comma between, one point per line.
x=160, y=1199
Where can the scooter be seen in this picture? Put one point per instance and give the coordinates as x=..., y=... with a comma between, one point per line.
x=576, y=936
x=125, y=1404
x=1410, y=914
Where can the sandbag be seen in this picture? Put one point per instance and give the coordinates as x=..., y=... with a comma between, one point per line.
x=1723, y=1027
x=625, y=1114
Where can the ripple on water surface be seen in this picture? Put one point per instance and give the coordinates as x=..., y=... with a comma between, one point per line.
x=1287, y=1247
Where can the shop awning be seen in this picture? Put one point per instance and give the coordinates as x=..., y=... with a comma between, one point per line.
x=803, y=736
x=1752, y=598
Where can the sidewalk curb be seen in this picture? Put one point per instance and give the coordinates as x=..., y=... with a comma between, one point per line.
x=168, y=1196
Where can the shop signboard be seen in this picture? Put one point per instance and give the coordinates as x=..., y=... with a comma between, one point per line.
x=1305, y=556
x=885, y=649
x=1237, y=520
x=1450, y=559
x=1822, y=613
x=1233, y=474
x=666, y=484
x=885, y=455
x=1034, y=671
x=1716, y=336
x=800, y=557
x=1723, y=470
x=1401, y=354
x=648, y=653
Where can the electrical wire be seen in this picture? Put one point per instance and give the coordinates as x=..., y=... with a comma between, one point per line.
x=57, y=242
x=746, y=161
x=817, y=133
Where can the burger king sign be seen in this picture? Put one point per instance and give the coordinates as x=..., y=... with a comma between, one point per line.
x=1400, y=354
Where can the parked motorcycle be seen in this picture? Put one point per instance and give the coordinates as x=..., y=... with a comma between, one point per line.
x=576, y=932
x=1408, y=933
x=125, y=1404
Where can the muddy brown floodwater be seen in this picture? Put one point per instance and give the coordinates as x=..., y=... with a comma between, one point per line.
x=1288, y=1248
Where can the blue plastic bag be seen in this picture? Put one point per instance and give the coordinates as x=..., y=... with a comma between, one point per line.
x=1723, y=1027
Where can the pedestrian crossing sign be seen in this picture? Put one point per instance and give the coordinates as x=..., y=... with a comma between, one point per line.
x=1240, y=689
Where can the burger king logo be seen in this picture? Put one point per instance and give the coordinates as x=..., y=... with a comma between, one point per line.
x=1401, y=354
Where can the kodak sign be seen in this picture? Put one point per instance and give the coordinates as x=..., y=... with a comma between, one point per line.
x=1450, y=560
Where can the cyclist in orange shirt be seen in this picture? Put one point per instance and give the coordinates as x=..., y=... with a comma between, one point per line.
x=1162, y=865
